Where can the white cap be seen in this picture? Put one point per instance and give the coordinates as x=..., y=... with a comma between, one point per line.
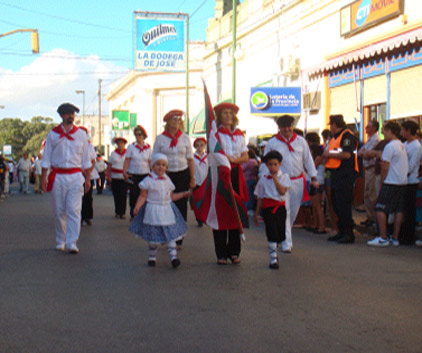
x=158, y=157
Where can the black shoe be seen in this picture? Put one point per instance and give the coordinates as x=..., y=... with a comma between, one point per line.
x=151, y=263
x=335, y=237
x=367, y=223
x=346, y=239
x=274, y=266
x=175, y=263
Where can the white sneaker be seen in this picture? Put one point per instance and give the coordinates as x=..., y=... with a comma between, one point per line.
x=394, y=242
x=251, y=213
x=378, y=241
x=72, y=249
x=286, y=249
x=60, y=247
x=418, y=243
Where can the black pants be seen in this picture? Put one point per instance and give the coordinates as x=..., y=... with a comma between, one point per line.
x=87, y=211
x=119, y=189
x=181, y=181
x=100, y=183
x=407, y=230
x=227, y=243
x=134, y=190
x=275, y=224
x=342, y=198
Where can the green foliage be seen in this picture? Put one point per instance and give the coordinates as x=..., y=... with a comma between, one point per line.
x=24, y=135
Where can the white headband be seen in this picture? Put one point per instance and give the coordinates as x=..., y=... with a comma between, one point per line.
x=158, y=157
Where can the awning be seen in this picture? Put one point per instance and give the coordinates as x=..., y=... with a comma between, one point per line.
x=369, y=51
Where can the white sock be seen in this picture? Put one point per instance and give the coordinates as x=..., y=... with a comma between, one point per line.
x=272, y=248
x=171, y=248
x=152, y=251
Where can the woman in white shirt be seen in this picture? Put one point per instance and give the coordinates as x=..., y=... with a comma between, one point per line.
x=115, y=176
x=176, y=145
x=227, y=241
x=137, y=165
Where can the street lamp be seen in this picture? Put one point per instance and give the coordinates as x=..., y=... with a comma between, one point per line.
x=83, y=104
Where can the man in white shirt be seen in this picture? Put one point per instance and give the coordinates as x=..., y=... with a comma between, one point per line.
x=414, y=152
x=38, y=172
x=66, y=154
x=370, y=196
x=297, y=161
x=391, y=199
x=23, y=167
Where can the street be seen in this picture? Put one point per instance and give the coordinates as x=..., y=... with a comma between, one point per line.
x=324, y=298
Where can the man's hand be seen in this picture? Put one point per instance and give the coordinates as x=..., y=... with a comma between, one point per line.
x=44, y=184
x=87, y=185
x=315, y=184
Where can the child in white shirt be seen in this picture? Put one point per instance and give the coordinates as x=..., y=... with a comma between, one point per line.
x=157, y=219
x=271, y=192
x=200, y=160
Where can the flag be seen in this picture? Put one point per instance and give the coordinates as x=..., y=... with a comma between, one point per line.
x=216, y=190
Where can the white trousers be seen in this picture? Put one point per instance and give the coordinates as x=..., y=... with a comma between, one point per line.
x=294, y=199
x=66, y=199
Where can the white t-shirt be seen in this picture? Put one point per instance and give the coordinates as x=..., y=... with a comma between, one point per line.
x=139, y=157
x=177, y=156
x=266, y=189
x=233, y=145
x=414, y=151
x=395, y=153
x=116, y=160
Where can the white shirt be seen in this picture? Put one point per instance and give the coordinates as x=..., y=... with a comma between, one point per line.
x=158, y=210
x=177, y=156
x=233, y=146
x=116, y=161
x=266, y=188
x=24, y=165
x=414, y=152
x=138, y=159
x=100, y=165
x=37, y=167
x=201, y=167
x=369, y=145
x=294, y=163
x=395, y=153
x=64, y=153
x=93, y=155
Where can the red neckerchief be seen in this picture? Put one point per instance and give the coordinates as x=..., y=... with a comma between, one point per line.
x=174, y=139
x=157, y=178
x=201, y=160
x=268, y=177
x=226, y=131
x=60, y=130
x=121, y=154
x=143, y=148
x=288, y=143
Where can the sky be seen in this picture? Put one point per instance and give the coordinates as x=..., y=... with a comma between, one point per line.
x=80, y=43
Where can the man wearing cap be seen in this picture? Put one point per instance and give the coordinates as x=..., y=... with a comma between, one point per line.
x=297, y=161
x=342, y=162
x=66, y=154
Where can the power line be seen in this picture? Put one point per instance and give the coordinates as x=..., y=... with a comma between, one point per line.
x=65, y=73
x=193, y=13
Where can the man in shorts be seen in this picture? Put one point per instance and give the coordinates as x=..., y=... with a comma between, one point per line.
x=391, y=199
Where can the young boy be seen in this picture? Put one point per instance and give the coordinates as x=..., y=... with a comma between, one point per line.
x=271, y=193
x=200, y=161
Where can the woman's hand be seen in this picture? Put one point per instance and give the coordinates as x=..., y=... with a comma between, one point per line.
x=192, y=183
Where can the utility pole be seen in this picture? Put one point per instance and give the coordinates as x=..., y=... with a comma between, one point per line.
x=99, y=116
x=233, y=52
x=83, y=105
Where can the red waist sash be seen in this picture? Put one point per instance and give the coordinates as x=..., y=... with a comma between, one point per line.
x=267, y=203
x=305, y=190
x=117, y=171
x=54, y=171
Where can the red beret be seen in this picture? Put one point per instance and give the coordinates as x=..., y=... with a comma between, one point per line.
x=173, y=113
x=142, y=129
x=221, y=106
x=199, y=139
x=117, y=139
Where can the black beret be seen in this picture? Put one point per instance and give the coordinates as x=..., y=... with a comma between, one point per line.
x=66, y=108
x=337, y=119
x=285, y=120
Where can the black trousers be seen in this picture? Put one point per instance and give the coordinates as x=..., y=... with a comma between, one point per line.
x=119, y=189
x=87, y=211
x=342, y=198
x=227, y=243
x=407, y=230
x=100, y=183
x=181, y=181
x=134, y=190
x=275, y=224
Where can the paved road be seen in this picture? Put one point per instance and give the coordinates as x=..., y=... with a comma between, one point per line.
x=324, y=298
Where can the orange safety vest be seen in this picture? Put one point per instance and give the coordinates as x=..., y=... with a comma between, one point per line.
x=334, y=163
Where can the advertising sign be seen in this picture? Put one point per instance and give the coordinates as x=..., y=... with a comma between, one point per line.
x=362, y=14
x=120, y=120
x=7, y=150
x=276, y=100
x=159, y=42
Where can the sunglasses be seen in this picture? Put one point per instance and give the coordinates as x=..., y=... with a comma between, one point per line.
x=139, y=134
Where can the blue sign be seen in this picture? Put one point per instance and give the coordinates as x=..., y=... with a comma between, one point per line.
x=276, y=100
x=160, y=44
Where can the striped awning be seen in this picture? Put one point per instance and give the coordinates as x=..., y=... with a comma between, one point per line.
x=377, y=48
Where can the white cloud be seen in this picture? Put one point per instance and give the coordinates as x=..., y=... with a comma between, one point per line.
x=51, y=79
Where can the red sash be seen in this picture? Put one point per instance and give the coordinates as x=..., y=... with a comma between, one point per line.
x=288, y=143
x=174, y=139
x=143, y=148
x=59, y=129
x=226, y=131
x=121, y=154
x=267, y=203
x=305, y=190
x=117, y=171
x=54, y=171
x=201, y=160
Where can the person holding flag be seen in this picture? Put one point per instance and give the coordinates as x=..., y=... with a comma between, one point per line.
x=220, y=200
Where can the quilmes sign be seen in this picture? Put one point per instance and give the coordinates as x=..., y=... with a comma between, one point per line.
x=160, y=42
x=363, y=14
x=275, y=100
